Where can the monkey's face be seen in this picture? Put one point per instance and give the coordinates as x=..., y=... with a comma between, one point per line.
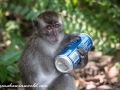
x=52, y=32
x=49, y=26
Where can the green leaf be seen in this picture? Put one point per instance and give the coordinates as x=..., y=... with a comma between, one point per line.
x=12, y=6
x=10, y=57
x=18, y=40
x=18, y=9
x=11, y=74
x=31, y=14
x=119, y=76
x=12, y=25
x=117, y=64
x=10, y=79
x=12, y=68
x=17, y=76
x=75, y=2
x=3, y=73
x=24, y=11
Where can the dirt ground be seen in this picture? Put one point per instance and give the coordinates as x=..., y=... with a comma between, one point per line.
x=99, y=74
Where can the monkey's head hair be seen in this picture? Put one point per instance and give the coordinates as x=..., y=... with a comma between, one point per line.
x=50, y=17
x=47, y=17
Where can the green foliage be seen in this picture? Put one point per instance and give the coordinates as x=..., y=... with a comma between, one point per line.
x=8, y=62
x=8, y=66
x=119, y=76
x=99, y=18
x=117, y=65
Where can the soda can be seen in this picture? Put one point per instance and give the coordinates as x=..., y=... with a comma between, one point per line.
x=70, y=57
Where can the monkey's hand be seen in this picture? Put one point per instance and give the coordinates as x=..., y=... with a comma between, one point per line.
x=83, y=57
x=74, y=37
x=69, y=38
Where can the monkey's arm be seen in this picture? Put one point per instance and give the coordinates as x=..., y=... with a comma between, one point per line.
x=83, y=54
x=68, y=38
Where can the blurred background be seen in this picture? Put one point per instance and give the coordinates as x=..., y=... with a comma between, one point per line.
x=98, y=18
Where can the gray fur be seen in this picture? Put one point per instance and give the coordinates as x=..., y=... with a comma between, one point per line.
x=37, y=62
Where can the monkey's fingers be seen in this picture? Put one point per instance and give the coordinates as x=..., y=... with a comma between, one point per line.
x=74, y=38
x=83, y=56
x=82, y=51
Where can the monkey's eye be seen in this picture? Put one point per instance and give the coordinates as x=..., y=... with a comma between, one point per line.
x=49, y=27
x=57, y=26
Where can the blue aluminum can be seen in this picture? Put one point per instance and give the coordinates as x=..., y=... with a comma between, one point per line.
x=70, y=57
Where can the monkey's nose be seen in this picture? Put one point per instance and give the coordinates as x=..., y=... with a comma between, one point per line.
x=56, y=39
x=55, y=33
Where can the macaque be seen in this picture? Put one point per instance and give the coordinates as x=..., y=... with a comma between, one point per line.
x=37, y=62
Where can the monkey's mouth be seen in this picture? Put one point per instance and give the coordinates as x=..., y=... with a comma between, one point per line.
x=55, y=40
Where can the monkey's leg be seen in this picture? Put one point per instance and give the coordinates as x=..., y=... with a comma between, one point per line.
x=63, y=82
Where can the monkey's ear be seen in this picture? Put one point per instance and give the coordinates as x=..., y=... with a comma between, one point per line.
x=35, y=23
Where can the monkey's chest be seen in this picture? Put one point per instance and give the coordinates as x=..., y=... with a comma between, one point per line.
x=46, y=79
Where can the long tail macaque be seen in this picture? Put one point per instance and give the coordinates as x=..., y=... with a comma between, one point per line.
x=37, y=61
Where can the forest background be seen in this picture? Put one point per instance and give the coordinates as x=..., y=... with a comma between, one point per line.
x=99, y=18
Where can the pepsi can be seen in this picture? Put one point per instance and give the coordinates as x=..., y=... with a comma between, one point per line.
x=70, y=57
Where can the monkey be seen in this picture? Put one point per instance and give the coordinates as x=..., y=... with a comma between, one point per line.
x=36, y=63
